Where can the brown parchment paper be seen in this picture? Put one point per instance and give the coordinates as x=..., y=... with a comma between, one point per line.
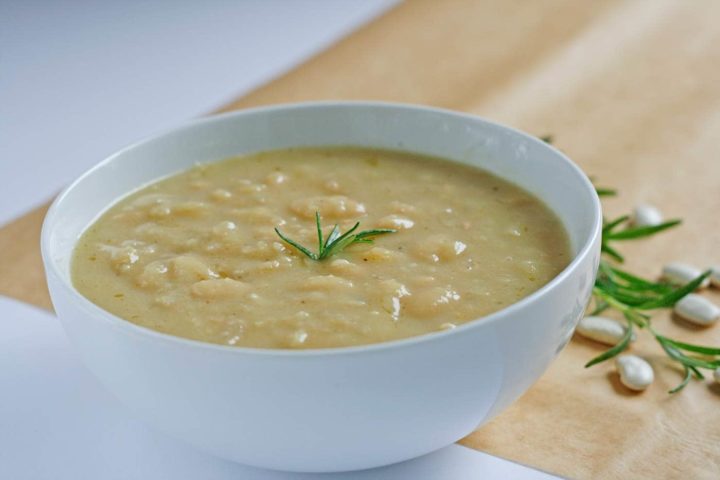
x=631, y=91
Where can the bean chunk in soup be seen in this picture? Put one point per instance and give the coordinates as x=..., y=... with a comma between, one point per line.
x=196, y=255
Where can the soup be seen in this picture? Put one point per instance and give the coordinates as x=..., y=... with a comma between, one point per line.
x=197, y=255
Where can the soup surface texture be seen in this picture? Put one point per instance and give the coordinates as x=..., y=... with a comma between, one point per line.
x=196, y=255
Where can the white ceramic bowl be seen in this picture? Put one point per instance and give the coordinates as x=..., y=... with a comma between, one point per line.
x=334, y=409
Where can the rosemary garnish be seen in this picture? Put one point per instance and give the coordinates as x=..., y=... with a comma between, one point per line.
x=547, y=139
x=634, y=296
x=605, y=192
x=335, y=242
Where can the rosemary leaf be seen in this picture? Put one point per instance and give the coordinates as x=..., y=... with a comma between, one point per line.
x=600, y=307
x=697, y=373
x=614, y=351
x=547, y=138
x=605, y=248
x=640, y=232
x=337, y=246
x=297, y=245
x=335, y=242
x=669, y=299
x=338, y=242
x=605, y=192
x=683, y=359
x=638, y=282
x=334, y=234
x=321, y=245
x=372, y=233
x=689, y=347
x=685, y=381
x=608, y=227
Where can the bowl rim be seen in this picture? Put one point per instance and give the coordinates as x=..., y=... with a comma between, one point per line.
x=126, y=326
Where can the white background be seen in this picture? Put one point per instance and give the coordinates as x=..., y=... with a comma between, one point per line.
x=80, y=79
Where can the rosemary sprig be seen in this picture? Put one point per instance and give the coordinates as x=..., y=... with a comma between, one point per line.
x=639, y=232
x=547, y=138
x=610, y=233
x=605, y=192
x=634, y=296
x=335, y=241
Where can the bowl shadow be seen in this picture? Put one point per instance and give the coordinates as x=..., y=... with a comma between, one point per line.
x=614, y=379
x=686, y=324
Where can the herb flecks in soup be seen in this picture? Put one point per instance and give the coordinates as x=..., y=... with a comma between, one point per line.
x=196, y=255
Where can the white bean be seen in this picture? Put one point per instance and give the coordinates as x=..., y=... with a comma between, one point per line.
x=635, y=373
x=697, y=309
x=715, y=275
x=646, y=216
x=601, y=329
x=678, y=272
